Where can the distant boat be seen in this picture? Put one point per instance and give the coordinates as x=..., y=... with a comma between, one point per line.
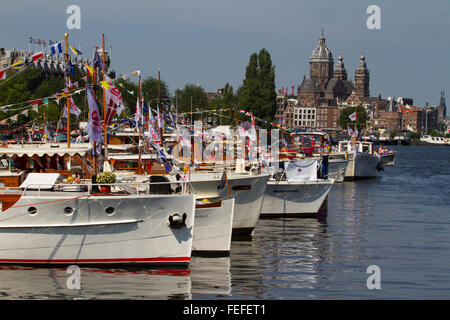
x=363, y=164
x=295, y=191
x=387, y=158
x=435, y=140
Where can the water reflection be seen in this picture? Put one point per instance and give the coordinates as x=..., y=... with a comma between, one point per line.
x=51, y=283
x=211, y=277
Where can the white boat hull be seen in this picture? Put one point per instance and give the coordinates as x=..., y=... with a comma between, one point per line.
x=247, y=190
x=137, y=232
x=299, y=198
x=337, y=168
x=213, y=227
x=362, y=166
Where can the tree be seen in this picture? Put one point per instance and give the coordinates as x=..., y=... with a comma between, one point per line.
x=191, y=95
x=257, y=92
x=361, y=117
x=150, y=91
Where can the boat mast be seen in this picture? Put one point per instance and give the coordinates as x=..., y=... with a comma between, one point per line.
x=356, y=119
x=66, y=35
x=140, y=169
x=105, y=137
x=159, y=105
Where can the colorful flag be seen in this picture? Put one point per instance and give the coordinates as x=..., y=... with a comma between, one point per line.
x=37, y=56
x=352, y=116
x=75, y=51
x=97, y=61
x=93, y=128
x=56, y=48
x=138, y=113
x=73, y=109
x=90, y=70
x=2, y=74
x=18, y=65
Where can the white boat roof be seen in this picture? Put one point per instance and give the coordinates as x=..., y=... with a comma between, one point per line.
x=49, y=149
x=121, y=156
x=42, y=181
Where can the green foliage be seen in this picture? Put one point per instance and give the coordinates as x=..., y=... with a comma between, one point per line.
x=191, y=95
x=150, y=92
x=129, y=91
x=361, y=117
x=106, y=177
x=257, y=92
x=414, y=135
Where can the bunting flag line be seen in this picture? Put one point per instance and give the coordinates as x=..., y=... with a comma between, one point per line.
x=75, y=51
x=56, y=48
x=37, y=56
x=90, y=70
x=18, y=65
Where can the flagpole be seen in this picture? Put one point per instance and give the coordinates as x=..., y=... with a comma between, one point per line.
x=105, y=137
x=66, y=35
x=94, y=144
x=356, y=119
x=159, y=104
x=139, y=170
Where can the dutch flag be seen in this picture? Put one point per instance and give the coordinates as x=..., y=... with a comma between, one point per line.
x=352, y=116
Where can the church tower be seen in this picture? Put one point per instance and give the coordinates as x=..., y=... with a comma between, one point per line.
x=340, y=72
x=321, y=64
x=362, y=78
x=442, y=104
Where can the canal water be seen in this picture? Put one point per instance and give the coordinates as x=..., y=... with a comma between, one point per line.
x=399, y=223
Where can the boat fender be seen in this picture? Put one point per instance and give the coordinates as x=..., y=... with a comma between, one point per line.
x=176, y=221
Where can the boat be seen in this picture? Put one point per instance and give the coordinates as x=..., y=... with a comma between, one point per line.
x=296, y=191
x=213, y=228
x=247, y=190
x=45, y=222
x=363, y=163
x=435, y=140
x=318, y=144
x=387, y=158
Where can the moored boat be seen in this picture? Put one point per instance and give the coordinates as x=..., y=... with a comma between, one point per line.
x=363, y=164
x=213, y=227
x=43, y=223
x=296, y=191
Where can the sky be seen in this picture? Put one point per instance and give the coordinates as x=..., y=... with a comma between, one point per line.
x=209, y=42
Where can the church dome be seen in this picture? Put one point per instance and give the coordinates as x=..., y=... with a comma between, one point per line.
x=321, y=53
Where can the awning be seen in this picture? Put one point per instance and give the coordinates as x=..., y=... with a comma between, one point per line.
x=42, y=181
x=49, y=149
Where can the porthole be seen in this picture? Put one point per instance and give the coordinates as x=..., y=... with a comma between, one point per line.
x=244, y=187
x=110, y=211
x=68, y=211
x=32, y=210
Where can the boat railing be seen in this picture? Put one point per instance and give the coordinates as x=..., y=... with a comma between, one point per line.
x=86, y=187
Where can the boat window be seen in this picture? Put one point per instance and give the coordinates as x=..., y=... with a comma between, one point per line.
x=110, y=211
x=68, y=211
x=32, y=210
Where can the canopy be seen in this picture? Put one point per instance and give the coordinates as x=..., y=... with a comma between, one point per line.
x=42, y=181
x=302, y=170
x=49, y=149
